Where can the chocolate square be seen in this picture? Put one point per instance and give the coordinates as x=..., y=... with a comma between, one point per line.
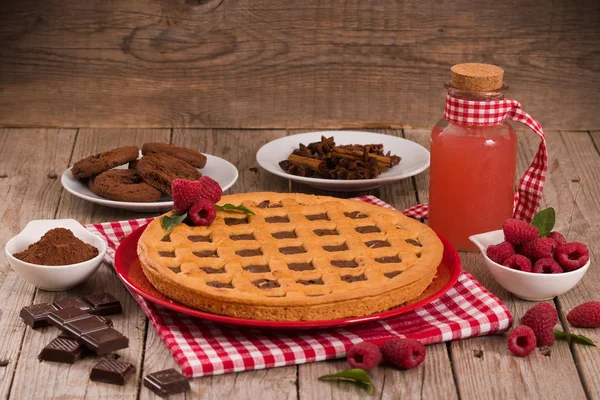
x=76, y=302
x=36, y=315
x=63, y=349
x=167, y=382
x=59, y=318
x=105, y=341
x=82, y=326
x=110, y=370
x=104, y=304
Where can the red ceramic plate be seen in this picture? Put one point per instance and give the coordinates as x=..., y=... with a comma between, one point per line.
x=129, y=270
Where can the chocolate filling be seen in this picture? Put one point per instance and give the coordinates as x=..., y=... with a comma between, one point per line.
x=205, y=253
x=413, y=242
x=266, y=283
x=198, y=239
x=352, y=278
x=277, y=219
x=236, y=221
x=366, y=229
x=325, y=232
x=388, y=260
x=284, y=235
x=243, y=236
x=267, y=204
x=301, y=266
x=166, y=238
x=177, y=270
x=257, y=269
x=217, y=284
x=210, y=270
x=317, y=217
x=292, y=250
x=307, y=282
x=355, y=215
x=249, y=252
x=374, y=244
x=392, y=274
x=340, y=247
x=344, y=263
x=170, y=254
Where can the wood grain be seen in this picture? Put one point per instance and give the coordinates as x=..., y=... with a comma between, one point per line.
x=278, y=383
x=274, y=64
x=53, y=380
x=26, y=193
x=574, y=192
x=484, y=368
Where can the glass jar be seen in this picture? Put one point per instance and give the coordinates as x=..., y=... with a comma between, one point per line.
x=472, y=174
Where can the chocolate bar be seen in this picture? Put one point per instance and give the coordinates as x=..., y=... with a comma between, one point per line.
x=90, y=330
x=63, y=349
x=97, y=304
x=36, y=315
x=167, y=382
x=110, y=370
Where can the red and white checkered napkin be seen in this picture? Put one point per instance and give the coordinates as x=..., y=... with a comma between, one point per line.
x=486, y=113
x=204, y=348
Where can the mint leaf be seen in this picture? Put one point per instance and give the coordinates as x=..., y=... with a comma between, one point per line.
x=544, y=221
x=169, y=222
x=560, y=335
x=357, y=375
x=231, y=207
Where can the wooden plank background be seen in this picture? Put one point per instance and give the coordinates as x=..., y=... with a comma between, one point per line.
x=286, y=64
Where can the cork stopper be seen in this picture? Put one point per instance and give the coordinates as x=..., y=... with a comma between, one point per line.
x=476, y=77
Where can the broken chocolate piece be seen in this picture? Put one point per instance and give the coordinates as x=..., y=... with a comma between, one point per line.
x=103, y=304
x=167, y=382
x=63, y=349
x=76, y=302
x=110, y=370
x=36, y=315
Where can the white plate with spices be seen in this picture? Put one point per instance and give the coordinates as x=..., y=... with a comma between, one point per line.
x=222, y=171
x=414, y=158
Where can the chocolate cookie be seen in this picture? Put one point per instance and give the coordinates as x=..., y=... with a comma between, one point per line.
x=123, y=185
x=159, y=170
x=93, y=165
x=190, y=156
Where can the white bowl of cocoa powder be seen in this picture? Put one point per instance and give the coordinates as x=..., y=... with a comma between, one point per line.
x=55, y=255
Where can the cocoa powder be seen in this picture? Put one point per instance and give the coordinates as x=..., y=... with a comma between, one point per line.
x=58, y=247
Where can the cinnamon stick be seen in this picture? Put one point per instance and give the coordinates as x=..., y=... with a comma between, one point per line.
x=313, y=163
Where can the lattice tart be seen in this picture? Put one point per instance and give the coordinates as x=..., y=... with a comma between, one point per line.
x=300, y=257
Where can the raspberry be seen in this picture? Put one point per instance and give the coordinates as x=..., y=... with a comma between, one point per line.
x=210, y=189
x=498, y=253
x=518, y=262
x=202, y=213
x=186, y=193
x=546, y=266
x=521, y=341
x=517, y=232
x=526, y=249
x=403, y=353
x=364, y=355
x=558, y=237
x=586, y=315
x=572, y=256
x=541, y=318
x=543, y=248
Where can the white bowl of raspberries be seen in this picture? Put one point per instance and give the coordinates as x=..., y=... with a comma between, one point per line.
x=532, y=261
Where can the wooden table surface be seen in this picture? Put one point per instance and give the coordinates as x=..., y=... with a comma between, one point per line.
x=31, y=161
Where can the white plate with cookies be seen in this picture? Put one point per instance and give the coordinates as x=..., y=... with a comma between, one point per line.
x=222, y=171
x=414, y=158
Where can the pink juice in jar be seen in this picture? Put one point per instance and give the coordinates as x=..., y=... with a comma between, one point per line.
x=472, y=174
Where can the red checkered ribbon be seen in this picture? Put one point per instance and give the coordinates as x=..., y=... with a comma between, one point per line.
x=486, y=113
x=204, y=348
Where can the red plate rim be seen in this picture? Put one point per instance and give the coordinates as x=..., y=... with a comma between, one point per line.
x=127, y=253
